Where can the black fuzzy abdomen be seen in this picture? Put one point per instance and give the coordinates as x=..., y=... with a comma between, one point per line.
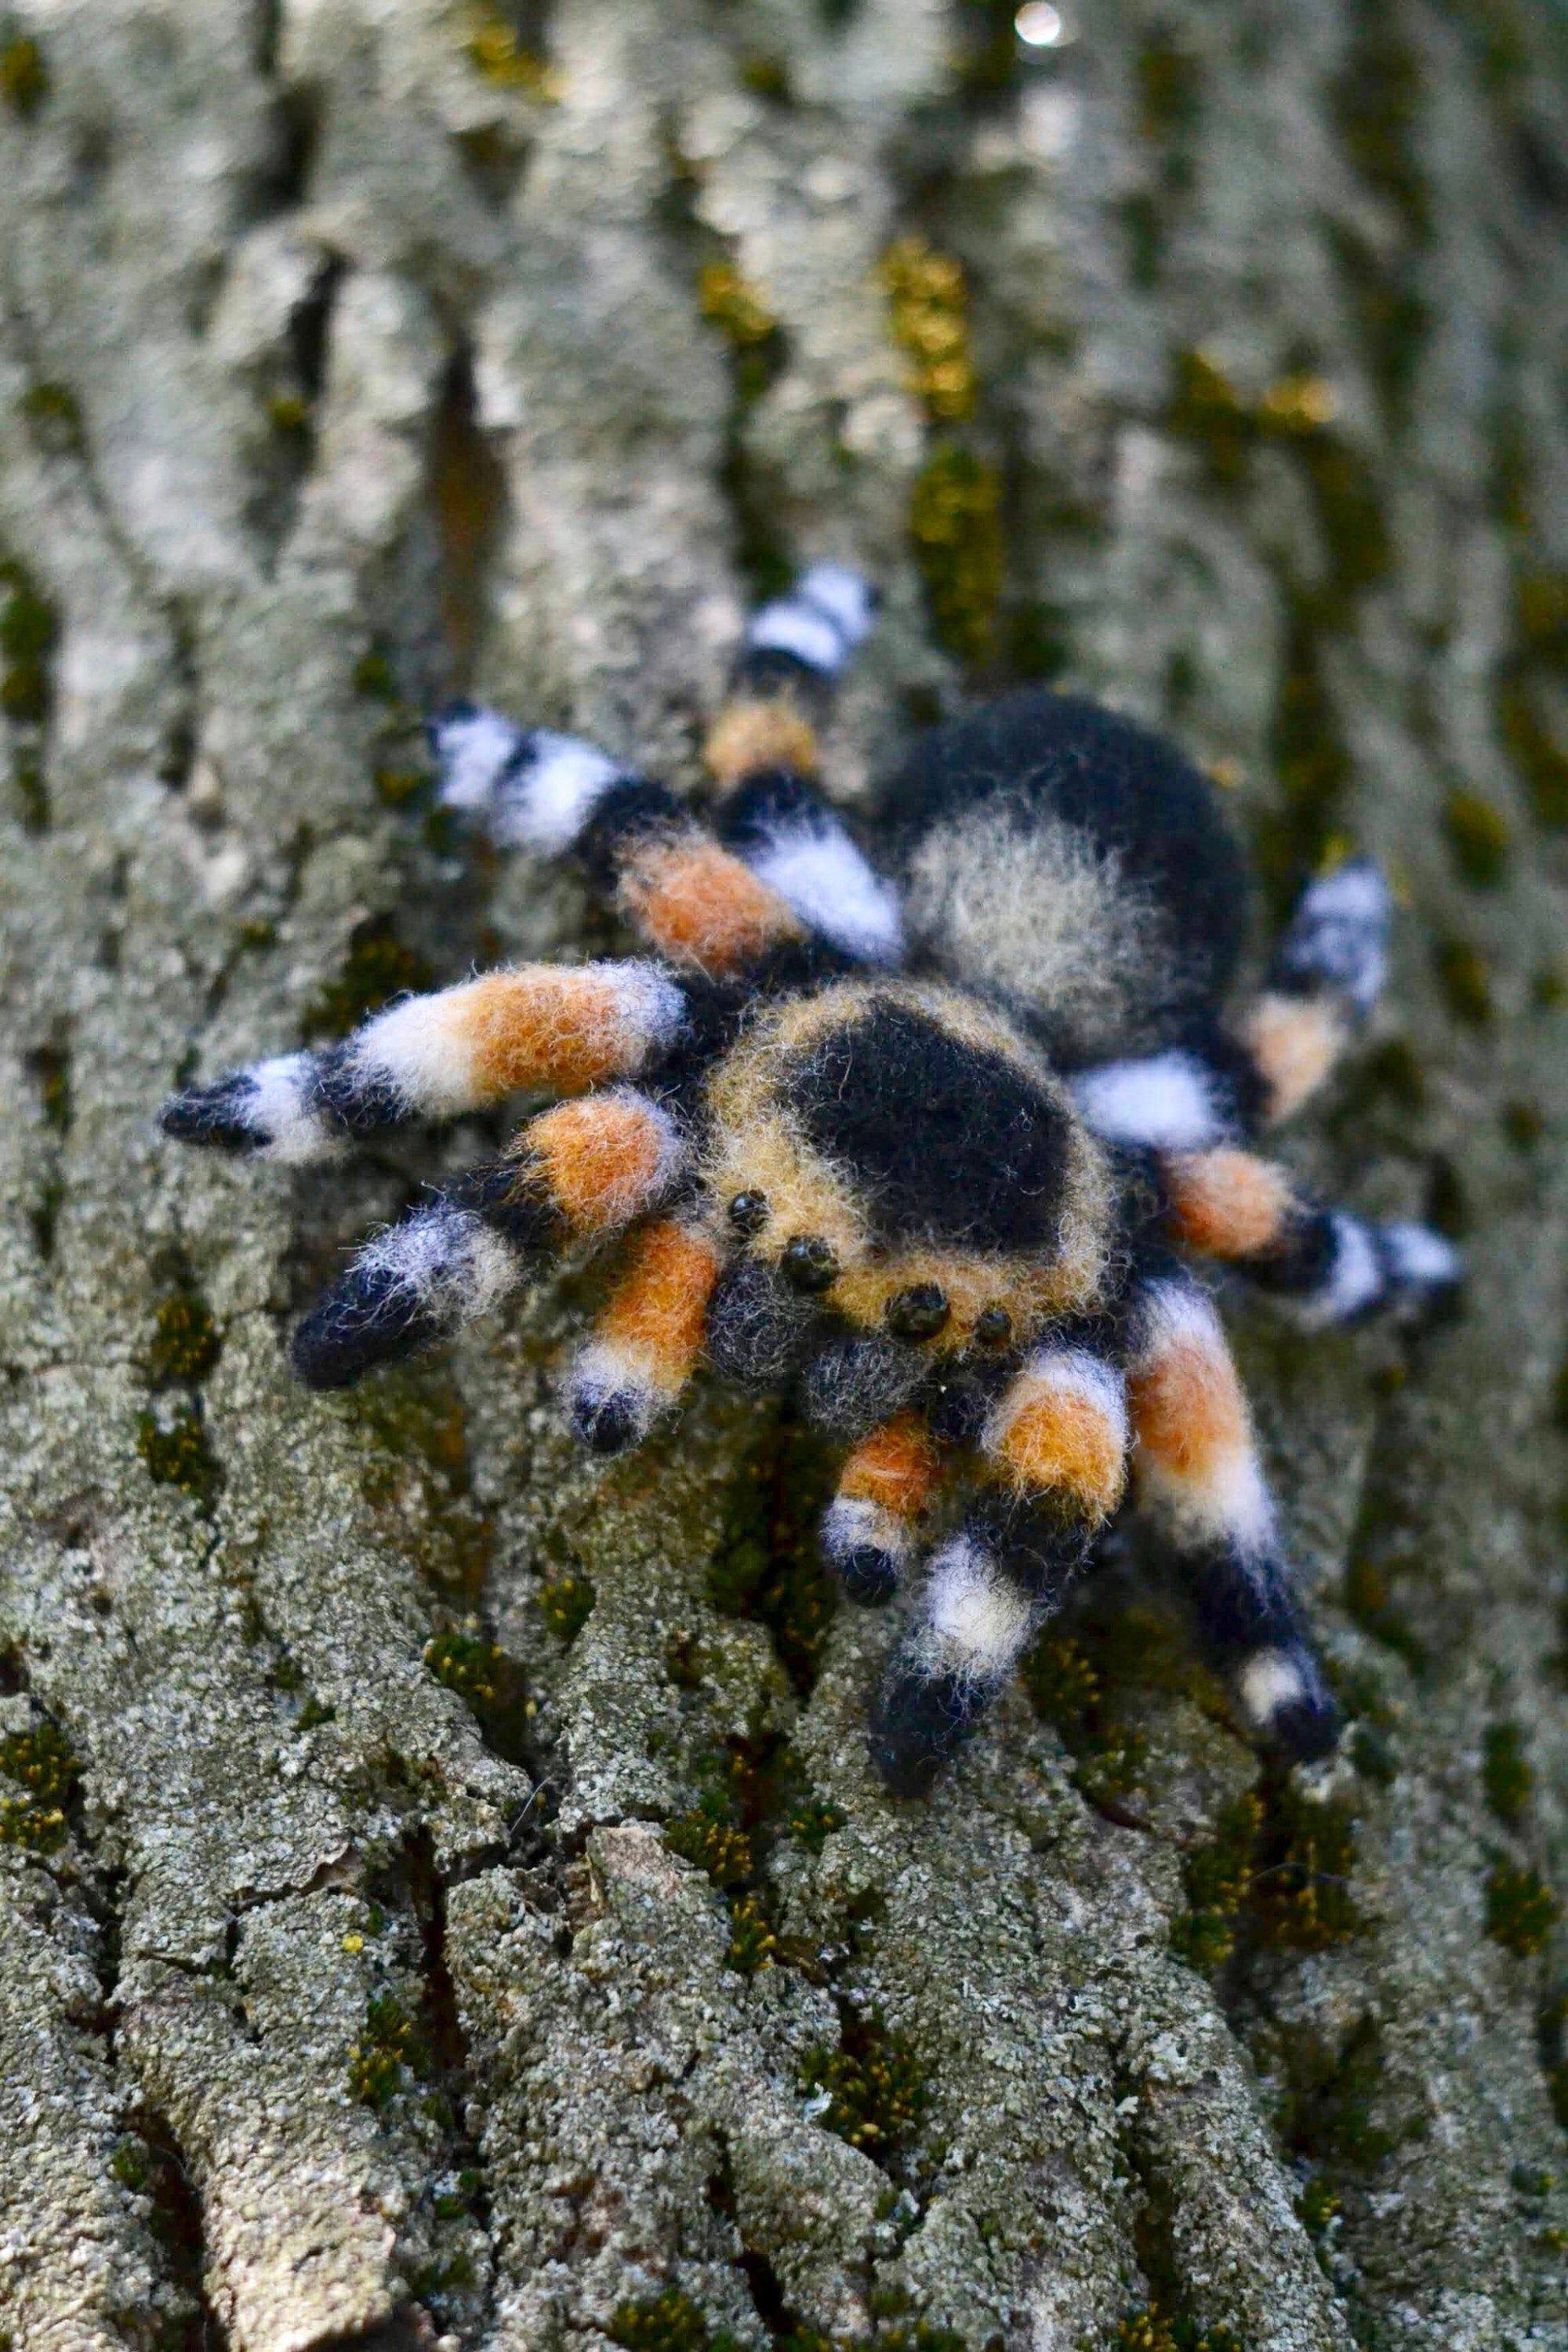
x=1068, y=791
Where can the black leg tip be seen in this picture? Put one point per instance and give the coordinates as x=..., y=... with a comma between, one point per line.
x=215, y=1117
x=922, y=1722
x=365, y=1320
x=1306, y=1729
x=866, y=1576
x=607, y=1424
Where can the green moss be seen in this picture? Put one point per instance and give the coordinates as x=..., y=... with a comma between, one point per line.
x=709, y=1838
x=1377, y=99
x=41, y=1763
x=131, y=2163
x=730, y=302
x=175, y=1451
x=1465, y=984
x=373, y=675
x=1216, y=1876
x=50, y=1070
x=24, y=76
x=1478, y=838
x=378, y=966
x=768, y=1566
x=566, y=1603
x=1521, y=1909
x=1540, y=759
x=766, y=75
x=1170, y=82
x=813, y=1820
x=27, y=636
x=753, y=1943
x=1206, y=411
x=1069, y=1693
x=956, y=529
x=1506, y=1772
x=1329, y=2111
x=1369, y=1600
x=53, y=415
x=389, y=2055
x=670, y=2322
x=481, y=1673
x=32, y=792
x=985, y=55
x=1541, y=618
x=874, y=2086
x=185, y=1343
x=1150, y=2330
x=1317, y=2208
x=930, y=307
x=1300, y=1899
x=1391, y=314
x=498, y=53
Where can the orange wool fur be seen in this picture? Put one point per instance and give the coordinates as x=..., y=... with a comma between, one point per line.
x=896, y=1466
x=749, y=737
x=541, y=1026
x=660, y=1304
x=1227, y=1204
x=1189, y=1411
x=1295, y=1042
x=601, y=1159
x=699, y=906
x=1056, y=1442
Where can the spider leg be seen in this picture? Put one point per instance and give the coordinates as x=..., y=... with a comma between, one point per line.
x=576, y=1174
x=1218, y=1088
x=1200, y=1482
x=646, y=1344
x=763, y=751
x=791, y=877
x=1333, y=1266
x=885, y=1485
x=437, y=1056
x=1055, y=1452
x=1325, y=978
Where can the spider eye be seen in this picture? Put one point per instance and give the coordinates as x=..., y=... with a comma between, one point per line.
x=918, y=1313
x=993, y=1325
x=807, y=1262
x=748, y=1212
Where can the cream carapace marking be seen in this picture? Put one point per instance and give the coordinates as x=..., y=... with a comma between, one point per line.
x=757, y=1146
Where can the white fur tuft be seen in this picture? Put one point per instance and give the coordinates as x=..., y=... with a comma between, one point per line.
x=1270, y=1681
x=281, y=1109
x=854, y=1523
x=816, y=869
x=1419, y=1258
x=1165, y=1100
x=977, y=1618
x=472, y=750
x=545, y=803
x=1354, y=1279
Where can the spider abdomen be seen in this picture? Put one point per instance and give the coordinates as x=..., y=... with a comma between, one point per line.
x=1064, y=861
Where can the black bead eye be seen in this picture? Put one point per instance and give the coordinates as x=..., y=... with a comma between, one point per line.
x=748, y=1212
x=918, y=1313
x=807, y=1262
x=993, y=1325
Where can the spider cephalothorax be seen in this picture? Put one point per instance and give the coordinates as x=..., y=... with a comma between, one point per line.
x=924, y=1148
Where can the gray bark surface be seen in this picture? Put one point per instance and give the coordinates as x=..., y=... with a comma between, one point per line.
x=362, y=1981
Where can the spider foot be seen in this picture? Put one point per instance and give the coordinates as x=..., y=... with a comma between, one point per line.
x=1287, y=1703
x=268, y=1112
x=1419, y=1267
x=866, y=1547
x=1338, y=938
x=610, y=1409
x=922, y=1722
x=412, y=1285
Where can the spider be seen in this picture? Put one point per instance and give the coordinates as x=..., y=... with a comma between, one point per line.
x=933, y=1146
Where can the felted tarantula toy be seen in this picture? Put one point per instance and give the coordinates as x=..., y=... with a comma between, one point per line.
x=924, y=1147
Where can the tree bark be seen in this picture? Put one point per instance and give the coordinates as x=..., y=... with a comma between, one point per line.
x=444, y=1896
